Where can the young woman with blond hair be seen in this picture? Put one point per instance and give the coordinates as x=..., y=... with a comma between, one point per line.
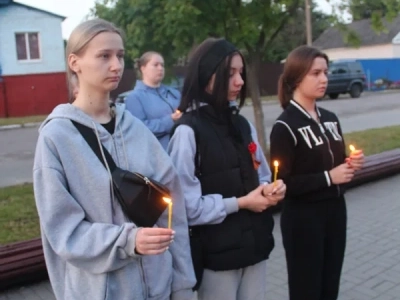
x=91, y=250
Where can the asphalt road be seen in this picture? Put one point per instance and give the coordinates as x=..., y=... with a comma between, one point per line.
x=17, y=146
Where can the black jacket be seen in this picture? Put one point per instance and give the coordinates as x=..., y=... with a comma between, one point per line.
x=225, y=167
x=307, y=151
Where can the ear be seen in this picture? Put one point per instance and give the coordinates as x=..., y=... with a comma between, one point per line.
x=73, y=63
x=142, y=68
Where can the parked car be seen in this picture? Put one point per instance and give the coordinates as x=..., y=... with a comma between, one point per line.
x=345, y=77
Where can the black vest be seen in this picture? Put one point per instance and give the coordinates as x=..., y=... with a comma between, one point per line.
x=224, y=166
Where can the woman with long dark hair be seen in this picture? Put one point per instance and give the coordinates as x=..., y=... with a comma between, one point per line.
x=308, y=142
x=225, y=177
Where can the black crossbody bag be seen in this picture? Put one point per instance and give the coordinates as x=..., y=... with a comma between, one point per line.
x=140, y=197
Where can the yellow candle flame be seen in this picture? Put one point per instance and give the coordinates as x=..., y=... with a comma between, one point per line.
x=276, y=163
x=178, y=111
x=352, y=148
x=168, y=200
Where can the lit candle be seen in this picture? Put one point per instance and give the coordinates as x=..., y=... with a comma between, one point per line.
x=169, y=201
x=352, y=149
x=276, y=165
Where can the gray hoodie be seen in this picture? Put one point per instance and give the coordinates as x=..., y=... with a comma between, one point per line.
x=88, y=245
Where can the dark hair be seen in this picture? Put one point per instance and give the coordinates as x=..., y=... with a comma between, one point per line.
x=145, y=58
x=296, y=67
x=193, y=89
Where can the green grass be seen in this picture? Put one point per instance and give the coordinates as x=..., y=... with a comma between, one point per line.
x=18, y=216
x=376, y=140
x=22, y=120
x=19, y=220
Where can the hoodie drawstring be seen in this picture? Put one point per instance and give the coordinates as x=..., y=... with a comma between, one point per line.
x=107, y=167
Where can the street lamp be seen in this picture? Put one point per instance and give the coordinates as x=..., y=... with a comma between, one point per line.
x=308, y=22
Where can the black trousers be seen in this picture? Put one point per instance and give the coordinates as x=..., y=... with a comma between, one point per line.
x=314, y=238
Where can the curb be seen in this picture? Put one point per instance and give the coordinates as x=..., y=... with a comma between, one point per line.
x=17, y=126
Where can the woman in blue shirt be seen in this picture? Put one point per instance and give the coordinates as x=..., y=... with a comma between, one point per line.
x=151, y=101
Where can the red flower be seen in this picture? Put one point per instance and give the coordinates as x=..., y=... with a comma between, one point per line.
x=252, y=147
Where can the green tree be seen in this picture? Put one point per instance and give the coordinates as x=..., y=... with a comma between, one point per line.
x=365, y=9
x=173, y=27
x=294, y=34
x=378, y=11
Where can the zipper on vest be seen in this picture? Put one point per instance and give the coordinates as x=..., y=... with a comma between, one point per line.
x=321, y=127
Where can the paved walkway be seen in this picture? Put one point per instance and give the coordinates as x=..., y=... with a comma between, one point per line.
x=372, y=263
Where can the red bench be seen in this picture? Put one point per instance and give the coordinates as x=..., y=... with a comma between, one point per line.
x=21, y=262
x=378, y=166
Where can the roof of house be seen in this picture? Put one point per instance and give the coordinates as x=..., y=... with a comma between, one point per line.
x=332, y=38
x=11, y=2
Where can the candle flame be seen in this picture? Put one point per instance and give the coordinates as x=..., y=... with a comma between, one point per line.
x=276, y=163
x=168, y=200
x=178, y=111
x=352, y=148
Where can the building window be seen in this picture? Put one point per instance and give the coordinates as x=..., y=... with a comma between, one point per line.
x=27, y=46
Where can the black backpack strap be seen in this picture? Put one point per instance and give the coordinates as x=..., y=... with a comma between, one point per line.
x=91, y=139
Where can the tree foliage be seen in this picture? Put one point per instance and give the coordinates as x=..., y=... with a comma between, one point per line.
x=173, y=27
x=262, y=29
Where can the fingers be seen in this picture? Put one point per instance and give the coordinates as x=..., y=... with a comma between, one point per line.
x=159, y=239
x=157, y=231
x=268, y=189
x=281, y=190
x=156, y=246
x=356, y=153
x=279, y=187
x=152, y=241
x=356, y=159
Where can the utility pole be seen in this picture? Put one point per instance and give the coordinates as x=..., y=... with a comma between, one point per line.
x=308, y=22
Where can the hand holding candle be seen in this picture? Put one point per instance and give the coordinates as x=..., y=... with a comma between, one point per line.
x=169, y=201
x=176, y=115
x=356, y=159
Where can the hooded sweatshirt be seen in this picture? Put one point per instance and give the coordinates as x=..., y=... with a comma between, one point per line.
x=154, y=107
x=88, y=245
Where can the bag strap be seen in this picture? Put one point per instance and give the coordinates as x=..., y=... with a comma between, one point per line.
x=91, y=139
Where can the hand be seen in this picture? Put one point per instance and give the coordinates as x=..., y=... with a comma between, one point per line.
x=275, y=192
x=254, y=200
x=341, y=174
x=176, y=115
x=356, y=159
x=153, y=241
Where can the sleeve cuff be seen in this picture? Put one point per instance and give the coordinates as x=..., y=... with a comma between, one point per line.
x=131, y=243
x=231, y=205
x=328, y=178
